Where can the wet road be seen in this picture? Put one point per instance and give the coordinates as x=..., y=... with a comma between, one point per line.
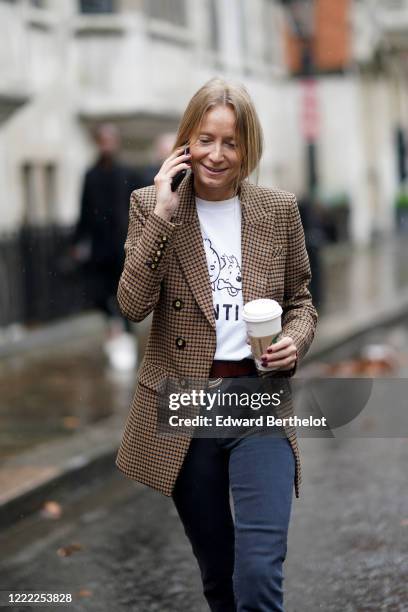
x=347, y=548
x=133, y=557
x=55, y=393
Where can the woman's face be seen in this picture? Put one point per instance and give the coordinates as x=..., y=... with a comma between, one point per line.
x=215, y=156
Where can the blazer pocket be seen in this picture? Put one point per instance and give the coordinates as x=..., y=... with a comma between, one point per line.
x=153, y=377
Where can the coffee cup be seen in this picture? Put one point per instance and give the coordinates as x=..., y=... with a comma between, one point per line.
x=263, y=323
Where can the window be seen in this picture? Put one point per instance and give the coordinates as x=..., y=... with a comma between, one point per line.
x=30, y=195
x=50, y=189
x=214, y=38
x=272, y=34
x=243, y=26
x=171, y=11
x=97, y=6
x=395, y=4
x=39, y=182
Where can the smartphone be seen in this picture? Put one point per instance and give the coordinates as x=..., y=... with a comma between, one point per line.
x=180, y=175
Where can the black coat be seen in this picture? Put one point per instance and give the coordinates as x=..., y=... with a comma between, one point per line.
x=104, y=213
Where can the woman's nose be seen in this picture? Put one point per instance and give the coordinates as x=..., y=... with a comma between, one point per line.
x=216, y=152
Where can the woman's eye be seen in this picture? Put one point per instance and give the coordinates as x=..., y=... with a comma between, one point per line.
x=231, y=144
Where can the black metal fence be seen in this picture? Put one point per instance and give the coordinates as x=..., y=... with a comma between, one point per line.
x=38, y=280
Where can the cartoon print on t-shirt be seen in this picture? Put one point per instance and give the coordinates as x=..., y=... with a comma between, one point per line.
x=230, y=275
x=213, y=260
x=226, y=270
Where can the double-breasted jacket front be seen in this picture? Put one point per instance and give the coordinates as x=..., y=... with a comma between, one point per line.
x=165, y=271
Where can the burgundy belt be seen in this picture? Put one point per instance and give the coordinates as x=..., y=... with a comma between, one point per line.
x=229, y=369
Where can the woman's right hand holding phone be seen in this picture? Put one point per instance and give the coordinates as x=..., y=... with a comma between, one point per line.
x=167, y=201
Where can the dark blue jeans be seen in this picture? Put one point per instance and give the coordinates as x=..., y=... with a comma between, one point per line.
x=240, y=560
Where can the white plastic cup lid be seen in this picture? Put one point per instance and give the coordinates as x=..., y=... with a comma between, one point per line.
x=258, y=311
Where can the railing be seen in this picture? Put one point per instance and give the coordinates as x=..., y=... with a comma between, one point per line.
x=38, y=282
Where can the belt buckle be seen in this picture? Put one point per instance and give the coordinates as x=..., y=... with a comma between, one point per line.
x=214, y=382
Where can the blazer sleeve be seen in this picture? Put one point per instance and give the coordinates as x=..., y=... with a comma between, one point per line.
x=299, y=317
x=147, y=248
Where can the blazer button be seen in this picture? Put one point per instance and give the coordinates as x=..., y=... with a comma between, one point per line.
x=158, y=253
x=164, y=238
x=180, y=343
x=178, y=304
x=153, y=265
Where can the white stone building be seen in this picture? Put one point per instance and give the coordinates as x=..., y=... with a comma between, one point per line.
x=62, y=70
x=67, y=64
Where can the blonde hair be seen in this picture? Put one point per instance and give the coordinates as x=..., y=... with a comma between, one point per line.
x=249, y=134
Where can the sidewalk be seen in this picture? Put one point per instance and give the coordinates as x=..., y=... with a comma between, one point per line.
x=365, y=288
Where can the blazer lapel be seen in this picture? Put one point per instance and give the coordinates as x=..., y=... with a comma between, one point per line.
x=190, y=252
x=257, y=224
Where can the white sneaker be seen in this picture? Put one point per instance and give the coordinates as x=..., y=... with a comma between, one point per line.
x=122, y=351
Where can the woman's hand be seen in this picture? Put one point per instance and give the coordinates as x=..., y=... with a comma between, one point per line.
x=280, y=356
x=168, y=200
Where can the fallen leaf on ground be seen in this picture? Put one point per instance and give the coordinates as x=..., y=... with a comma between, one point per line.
x=71, y=422
x=51, y=509
x=66, y=551
x=85, y=593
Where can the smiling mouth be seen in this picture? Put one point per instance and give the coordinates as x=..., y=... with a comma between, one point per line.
x=214, y=170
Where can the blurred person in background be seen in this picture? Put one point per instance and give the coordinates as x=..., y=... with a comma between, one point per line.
x=162, y=147
x=99, y=237
x=191, y=262
x=315, y=238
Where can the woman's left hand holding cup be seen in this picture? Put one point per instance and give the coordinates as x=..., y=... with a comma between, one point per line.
x=280, y=356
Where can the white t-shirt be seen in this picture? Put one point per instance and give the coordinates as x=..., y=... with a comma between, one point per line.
x=220, y=224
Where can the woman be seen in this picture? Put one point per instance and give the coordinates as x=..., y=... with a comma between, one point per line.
x=194, y=257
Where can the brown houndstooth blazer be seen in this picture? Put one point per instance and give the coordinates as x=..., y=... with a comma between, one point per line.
x=165, y=271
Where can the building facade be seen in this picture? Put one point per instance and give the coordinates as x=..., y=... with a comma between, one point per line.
x=66, y=65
